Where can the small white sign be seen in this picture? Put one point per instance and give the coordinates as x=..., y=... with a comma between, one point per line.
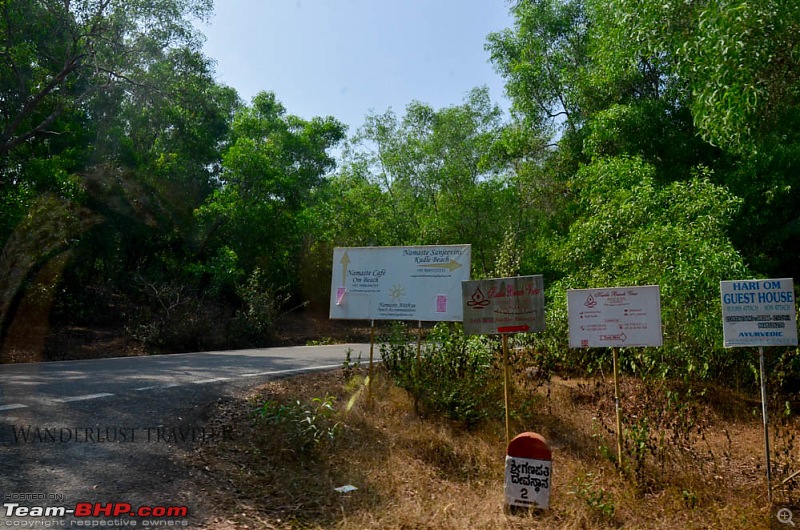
x=399, y=283
x=758, y=313
x=528, y=482
x=615, y=317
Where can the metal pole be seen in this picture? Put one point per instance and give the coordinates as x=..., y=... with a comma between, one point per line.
x=371, y=349
x=616, y=404
x=764, y=414
x=505, y=385
x=419, y=341
x=418, y=366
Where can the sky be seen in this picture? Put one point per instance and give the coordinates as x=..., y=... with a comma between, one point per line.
x=346, y=58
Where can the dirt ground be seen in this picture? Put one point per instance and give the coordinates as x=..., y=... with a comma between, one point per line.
x=416, y=472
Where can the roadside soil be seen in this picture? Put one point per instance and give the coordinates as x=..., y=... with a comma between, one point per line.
x=416, y=472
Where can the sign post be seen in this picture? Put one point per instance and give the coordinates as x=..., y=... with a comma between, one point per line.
x=617, y=410
x=759, y=313
x=762, y=374
x=615, y=317
x=506, y=385
x=503, y=305
x=398, y=283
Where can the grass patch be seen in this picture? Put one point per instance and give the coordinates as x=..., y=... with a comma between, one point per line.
x=687, y=466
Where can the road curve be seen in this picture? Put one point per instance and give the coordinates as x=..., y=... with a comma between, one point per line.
x=111, y=430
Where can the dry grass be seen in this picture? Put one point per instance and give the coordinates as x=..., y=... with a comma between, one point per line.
x=699, y=469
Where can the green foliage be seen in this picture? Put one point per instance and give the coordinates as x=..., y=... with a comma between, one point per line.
x=633, y=231
x=262, y=305
x=667, y=82
x=305, y=425
x=543, y=59
x=736, y=61
x=456, y=375
x=350, y=368
x=597, y=499
x=271, y=170
x=430, y=178
x=57, y=56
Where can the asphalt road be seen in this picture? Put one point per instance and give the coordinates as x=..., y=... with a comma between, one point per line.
x=113, y=430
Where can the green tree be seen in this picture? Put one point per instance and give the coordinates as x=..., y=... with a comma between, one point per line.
x=737, y=61
x=544, y=58
x=672, y=164
x=153, y=159
x=631, y=230
x=59, y=54
x=732, y=70
x=109, y=112
x=271, y=172
x=440, y=182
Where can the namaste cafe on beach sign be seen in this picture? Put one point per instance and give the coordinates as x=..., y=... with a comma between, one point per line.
x=399, y=283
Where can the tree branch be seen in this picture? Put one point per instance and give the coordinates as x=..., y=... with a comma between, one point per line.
x=7, y=139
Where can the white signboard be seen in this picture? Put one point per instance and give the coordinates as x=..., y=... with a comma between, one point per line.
x=399, y=283
x=615, y=317
x=527, y=482
x=758, y=313
x=503, y=305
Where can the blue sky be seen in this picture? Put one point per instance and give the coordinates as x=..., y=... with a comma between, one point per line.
x=343, y=58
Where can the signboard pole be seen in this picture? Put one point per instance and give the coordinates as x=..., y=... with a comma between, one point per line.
x=371, y=349
x=505, y=384
x=759, y=313
x=615, y=317
x=616, y=405
x=764, y=414
x=419, y=342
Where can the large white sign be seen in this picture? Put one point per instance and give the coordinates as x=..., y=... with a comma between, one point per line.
x=399, y=283
x=758, y=313
x=503, y=305
x=615, y=317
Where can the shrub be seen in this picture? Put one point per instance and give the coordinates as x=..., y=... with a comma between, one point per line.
x=261, y=305
x=304, y=425
x=632, y=229
x=456, y=375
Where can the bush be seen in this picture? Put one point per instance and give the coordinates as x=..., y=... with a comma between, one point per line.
x=304, y=425
x=632, y=229
x=456, y=375
x=171, y=317
x=261, y=305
